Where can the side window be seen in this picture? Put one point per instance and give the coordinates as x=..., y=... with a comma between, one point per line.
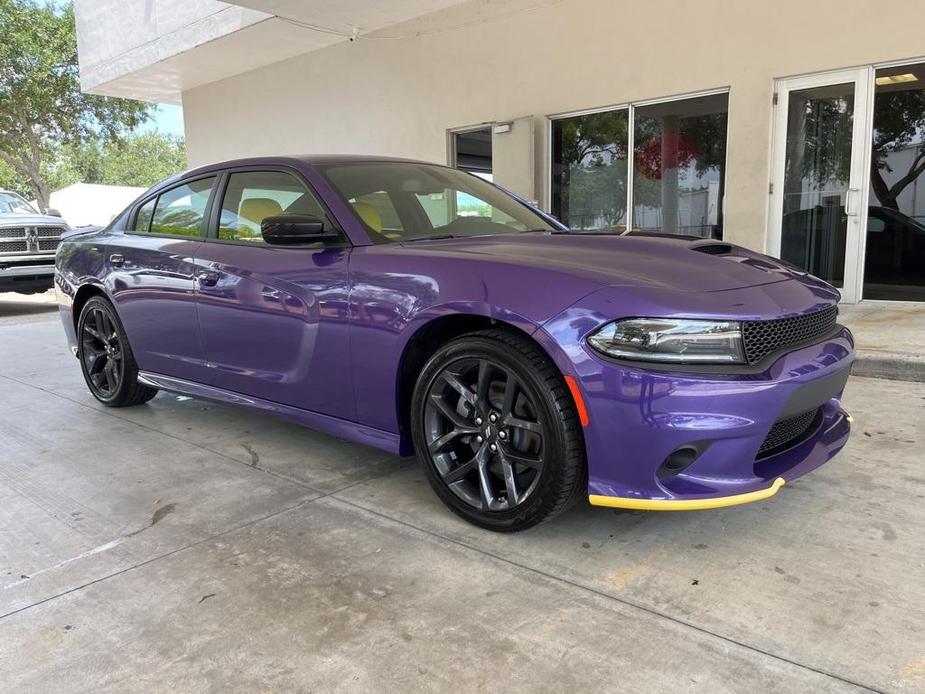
x=251, y=196
x=180, y=210
x=378, y=212
x=143, y=218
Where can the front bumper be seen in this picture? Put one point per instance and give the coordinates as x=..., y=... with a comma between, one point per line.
x=639, y=417
x=28, y=276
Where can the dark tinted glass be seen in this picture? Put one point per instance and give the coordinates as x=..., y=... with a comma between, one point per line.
x=180, y=211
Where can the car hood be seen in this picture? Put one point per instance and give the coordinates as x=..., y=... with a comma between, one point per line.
x=670, y=263
x=24, y=220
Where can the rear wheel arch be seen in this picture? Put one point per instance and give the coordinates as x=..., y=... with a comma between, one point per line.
x=81, y=297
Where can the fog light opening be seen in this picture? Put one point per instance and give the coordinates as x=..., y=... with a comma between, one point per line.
x=677, y=462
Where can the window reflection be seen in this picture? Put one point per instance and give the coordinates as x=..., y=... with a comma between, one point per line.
x=589, y=170
x=816, y=179
x=895, y=255
x=679, y=161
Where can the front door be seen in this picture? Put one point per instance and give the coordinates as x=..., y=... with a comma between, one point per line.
x=273, y=319
x=820, y=175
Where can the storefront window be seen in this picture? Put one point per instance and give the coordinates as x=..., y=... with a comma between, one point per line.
x=677, y=180
x=679, y=161
x=589, y=170
x=895, y=256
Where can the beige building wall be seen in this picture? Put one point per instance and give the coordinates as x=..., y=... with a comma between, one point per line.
x=400, y=95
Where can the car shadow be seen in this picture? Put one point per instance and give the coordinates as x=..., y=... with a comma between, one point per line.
x=13, y=305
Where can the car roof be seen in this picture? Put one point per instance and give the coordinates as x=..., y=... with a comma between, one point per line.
x=288, y=160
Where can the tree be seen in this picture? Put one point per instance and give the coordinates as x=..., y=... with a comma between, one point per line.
x=41, y=105
x=899, y=122
x=141, y=160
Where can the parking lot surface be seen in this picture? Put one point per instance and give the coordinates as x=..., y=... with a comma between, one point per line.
x=186, y=546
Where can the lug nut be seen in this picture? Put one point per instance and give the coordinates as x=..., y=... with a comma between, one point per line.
x=502, y=435
x=479, y=439
x=478, y=421
x=493, y=447
x=493, y=417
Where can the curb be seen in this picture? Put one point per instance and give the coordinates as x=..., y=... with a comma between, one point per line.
x=895, y=367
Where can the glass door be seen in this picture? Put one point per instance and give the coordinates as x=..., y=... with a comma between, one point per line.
x=820, y=175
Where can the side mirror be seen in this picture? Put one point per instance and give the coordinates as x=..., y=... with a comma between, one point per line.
x=52, y=212
x=293, y=229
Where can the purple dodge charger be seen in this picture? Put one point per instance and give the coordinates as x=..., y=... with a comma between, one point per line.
x=423, y=310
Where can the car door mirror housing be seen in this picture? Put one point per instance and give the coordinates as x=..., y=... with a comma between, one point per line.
x=294, y=229
x=52, y=212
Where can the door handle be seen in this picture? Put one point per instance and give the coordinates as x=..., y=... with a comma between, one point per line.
x=207, y=278
x=851, y=199
x=116, y=260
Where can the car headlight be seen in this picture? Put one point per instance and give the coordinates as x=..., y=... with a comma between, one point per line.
x=674, y=340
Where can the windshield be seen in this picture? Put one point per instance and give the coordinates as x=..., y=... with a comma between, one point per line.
x=11, y=202
x=399, y=201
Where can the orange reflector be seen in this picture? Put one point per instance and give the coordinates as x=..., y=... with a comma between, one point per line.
x=579, y=401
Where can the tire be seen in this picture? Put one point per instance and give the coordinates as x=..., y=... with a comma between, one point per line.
x=495, y=428
x=106, y=358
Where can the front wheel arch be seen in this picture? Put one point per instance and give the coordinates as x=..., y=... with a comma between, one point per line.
x=422, y=345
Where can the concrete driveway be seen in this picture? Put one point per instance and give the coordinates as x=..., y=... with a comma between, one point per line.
x=183, y=546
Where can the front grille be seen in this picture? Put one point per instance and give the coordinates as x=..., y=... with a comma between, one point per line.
x=787, y=433
x=13, y=247
x=764, y=337
x=40, y=239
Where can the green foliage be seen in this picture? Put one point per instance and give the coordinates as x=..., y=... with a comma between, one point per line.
x=137, y=160
x=41, y=106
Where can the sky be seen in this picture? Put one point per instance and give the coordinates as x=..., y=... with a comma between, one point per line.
x=168, y=118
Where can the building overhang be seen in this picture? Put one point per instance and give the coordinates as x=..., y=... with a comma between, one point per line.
x=154, y=50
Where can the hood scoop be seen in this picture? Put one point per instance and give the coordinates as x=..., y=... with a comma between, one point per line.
x=712, y=247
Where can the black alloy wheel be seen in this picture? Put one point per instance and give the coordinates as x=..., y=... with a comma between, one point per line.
x=106, y=358
x=497, y=431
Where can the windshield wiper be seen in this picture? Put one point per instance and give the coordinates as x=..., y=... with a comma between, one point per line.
x=435, y=237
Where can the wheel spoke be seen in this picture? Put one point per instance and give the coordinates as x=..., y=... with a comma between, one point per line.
x=442, y=442
x=485, y=488
x=511, y=388
x=461, y=470
x=527, y=460
x=524, y=424
x=108, y=329
x=97, y=362
x=451, y=414
x=94, y=333
x=110, y=375
x=453, y=381
x=484, y=381
x=510, y=483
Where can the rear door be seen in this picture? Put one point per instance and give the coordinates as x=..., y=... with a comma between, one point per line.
x=274, y=319
x=152, y=279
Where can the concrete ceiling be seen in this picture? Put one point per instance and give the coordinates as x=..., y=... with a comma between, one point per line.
x=154, y=50
x=346, y=15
